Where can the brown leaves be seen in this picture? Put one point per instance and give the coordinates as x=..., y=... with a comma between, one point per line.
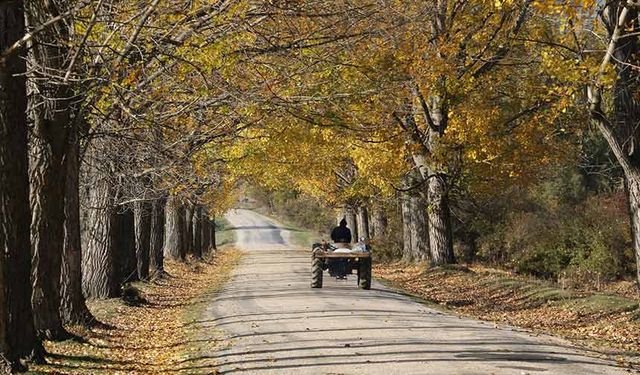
x=159, y=337
x=604, y=322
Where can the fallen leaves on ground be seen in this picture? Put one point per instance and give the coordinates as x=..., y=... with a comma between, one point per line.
x=167, y=334
x=608, y=323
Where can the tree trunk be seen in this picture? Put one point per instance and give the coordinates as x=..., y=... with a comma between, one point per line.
x=619, y=128
x=407, y=255
x=5, y=351
x=350, y=216
x=17, y=334
x=156, y=241
x=440, y=236
x=185, y=238
x=438, y=212
x=633, y=196
x=142, y=212
x=212, y=228
x=188, y=227
x=363, y=222
x=206, y=233
x=419, y=229
x=99, y=277
x=197, y=231
x=174, y=246
x=379, y=223
x=125, y=238
x=50, y=109
x=73, y=308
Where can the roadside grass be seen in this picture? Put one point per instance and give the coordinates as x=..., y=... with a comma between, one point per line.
x=607, y=323
x=302, y=237
x=163, y=335
x=225, y=232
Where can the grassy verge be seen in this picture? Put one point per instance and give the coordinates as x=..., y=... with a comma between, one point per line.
x=302, y=237
x=299, y=236
x=604, y=322
x=160, y=336
x=225, y=232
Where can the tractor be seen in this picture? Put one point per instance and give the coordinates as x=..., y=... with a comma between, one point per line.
x=341, y=259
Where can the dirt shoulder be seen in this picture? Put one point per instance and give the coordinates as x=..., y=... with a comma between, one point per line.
x=606, y=323
x=160, y=336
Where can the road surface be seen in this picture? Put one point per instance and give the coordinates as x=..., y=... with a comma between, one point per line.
x=276, y=324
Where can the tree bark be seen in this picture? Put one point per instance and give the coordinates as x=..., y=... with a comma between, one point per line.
x=363, y=222
x=17, y=334
x=188, y=227
x=633, y=194
x=407, y=255
x=380, y=223
x=142, y=212
x=350, y=216
x=156, y=241
x=99, y=277
x=73, y=308
x=6, y=352
x=212, y=228
x=125, y=238
x=50, y=111
x=206, y=233
x=197, y=231
x=440, y=232
x=174, y=236
x=419, y=229
x=438, y=212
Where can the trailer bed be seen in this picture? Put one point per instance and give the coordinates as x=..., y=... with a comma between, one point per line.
x=331, y=254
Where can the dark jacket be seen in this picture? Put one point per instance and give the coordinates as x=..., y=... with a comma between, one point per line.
x=341, y=234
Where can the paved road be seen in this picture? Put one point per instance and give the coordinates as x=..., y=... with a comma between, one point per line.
x=277, y=324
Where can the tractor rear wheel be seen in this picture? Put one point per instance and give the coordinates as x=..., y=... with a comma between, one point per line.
x=364, y=273
x=316, y=272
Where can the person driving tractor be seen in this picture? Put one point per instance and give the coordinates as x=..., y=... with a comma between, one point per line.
x=341, y=233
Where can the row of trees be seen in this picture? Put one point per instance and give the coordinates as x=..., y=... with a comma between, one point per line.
x=105, y=119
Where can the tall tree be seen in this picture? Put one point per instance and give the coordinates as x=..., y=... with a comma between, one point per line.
x=143, y=218
x=363, y=222
x=156, y=240
x=419, y=228
x=619, y=124
x=352, y=223
x=212, y=235
x=125, y=240
x=73, y=307
x=99, y=277
x=379, y=222
x=198, y=217
x=17, y=334
x=189, y=210
x=405, y=205
x=50, y=109
x=174, y=232
x=206, y=233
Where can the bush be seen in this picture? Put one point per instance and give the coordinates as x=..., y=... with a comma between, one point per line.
x=590, y=238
